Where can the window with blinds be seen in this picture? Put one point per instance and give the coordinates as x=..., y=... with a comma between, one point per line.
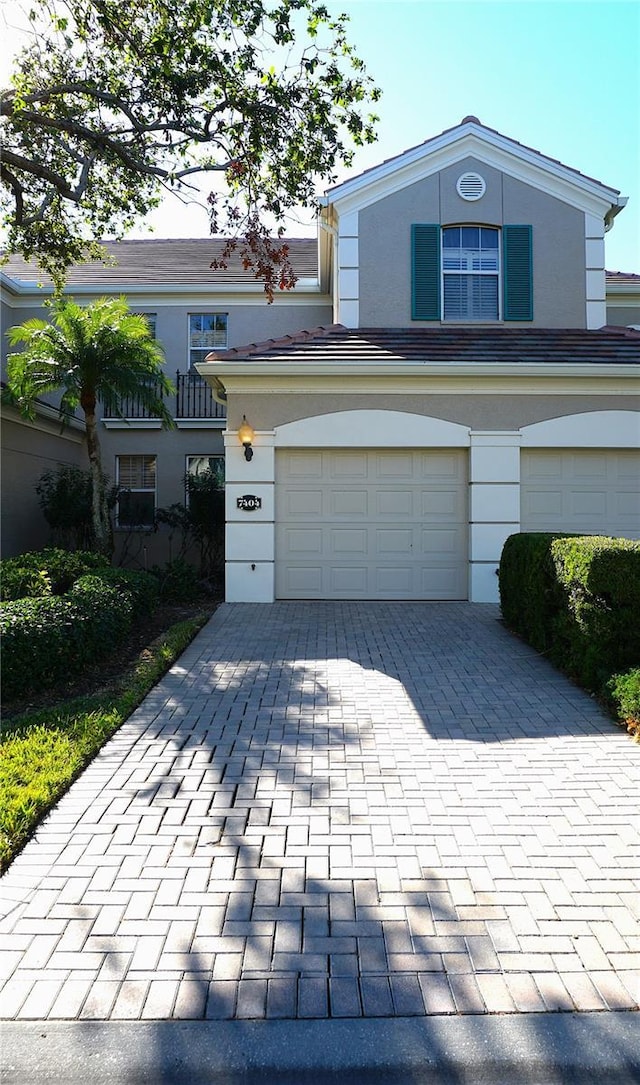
x=470, y=273
x=136, y=478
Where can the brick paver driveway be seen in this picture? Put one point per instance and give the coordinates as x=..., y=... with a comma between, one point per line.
x=339, y=809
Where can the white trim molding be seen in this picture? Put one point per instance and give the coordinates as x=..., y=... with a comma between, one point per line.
x=371, y=429
x=494, y=506
x=592, y=429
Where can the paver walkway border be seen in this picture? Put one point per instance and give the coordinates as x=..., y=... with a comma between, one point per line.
x=339, y=810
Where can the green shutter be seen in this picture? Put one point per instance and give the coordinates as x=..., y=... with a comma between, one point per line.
x=517, y=273
x=425, y=272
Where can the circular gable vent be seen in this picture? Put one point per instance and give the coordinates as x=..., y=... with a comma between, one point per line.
x=471, y=186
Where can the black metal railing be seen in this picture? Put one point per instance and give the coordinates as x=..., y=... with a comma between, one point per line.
x=193, y=399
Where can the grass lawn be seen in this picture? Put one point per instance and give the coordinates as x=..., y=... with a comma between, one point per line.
x=43, y=751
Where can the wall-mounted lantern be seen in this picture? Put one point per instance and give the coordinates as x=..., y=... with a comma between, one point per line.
x=246, y=437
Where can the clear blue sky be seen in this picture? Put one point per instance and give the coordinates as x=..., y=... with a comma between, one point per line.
x=563, y=77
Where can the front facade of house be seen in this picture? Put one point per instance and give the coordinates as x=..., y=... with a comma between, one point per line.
x=465, y=392
x=453, y=366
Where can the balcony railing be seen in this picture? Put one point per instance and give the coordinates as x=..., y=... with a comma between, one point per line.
x=193, y=399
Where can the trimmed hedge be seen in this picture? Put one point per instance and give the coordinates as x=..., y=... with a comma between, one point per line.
x=597, y=631
x=577, y=600
x=44, y=640
x=45, y=572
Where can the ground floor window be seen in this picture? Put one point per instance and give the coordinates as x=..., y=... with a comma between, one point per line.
x=201, y=467
x=136, y=478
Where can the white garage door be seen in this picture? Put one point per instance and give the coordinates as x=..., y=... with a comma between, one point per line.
x=371, y=524
x=595, y=491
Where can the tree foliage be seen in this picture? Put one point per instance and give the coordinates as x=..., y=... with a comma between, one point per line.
x=65, y=497
x=99, y=353
x=111, y=104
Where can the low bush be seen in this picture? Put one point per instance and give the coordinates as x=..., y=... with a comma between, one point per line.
x=577, y=599
x=529, y=595
x=177, y=581
x=596, y=631
x=141, y=586
x=45, y=572
x=44, y=640
x=623, y=691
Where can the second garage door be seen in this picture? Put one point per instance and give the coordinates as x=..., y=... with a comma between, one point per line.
x=371, y=524
x=595, y=491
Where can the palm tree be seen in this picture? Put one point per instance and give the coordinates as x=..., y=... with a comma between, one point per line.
x=98, y=353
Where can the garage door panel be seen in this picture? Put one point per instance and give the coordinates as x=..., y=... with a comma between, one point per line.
x=305, y=464
x=392, y=541
x=399, y=466
x=345, y=467
x=350, y=503
x=445, y=583
x=387, y=525
x=305, y=582
x=394, y=583
x=442, y=466
x=440, y=505
x=394, y=503
x=348, y=541
x=589, y=504
x=304, y=541
x=595, y=491
x=347, y=581
x=440, y=542
x=303, y=503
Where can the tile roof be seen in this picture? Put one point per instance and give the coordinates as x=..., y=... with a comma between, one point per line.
x=613, y=277
x=337, y=344
x=152, y=261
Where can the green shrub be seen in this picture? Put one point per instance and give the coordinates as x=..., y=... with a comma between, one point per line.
x=597, y=630
x=45, y=572
x=623, y=691
x=529, y=594
x=45, y=640
x=142, y=587
x=177, y=581
x=577, y=599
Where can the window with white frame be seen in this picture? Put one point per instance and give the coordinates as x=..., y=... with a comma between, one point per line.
x=136, y=479
x=471, y=273
x=207, y=332
x=201, y=467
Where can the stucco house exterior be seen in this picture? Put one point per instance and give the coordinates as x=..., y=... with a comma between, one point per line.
x=469, y=386
x=191, y=308
x=453, y=365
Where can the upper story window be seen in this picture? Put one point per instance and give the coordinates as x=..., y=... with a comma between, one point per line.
x=207, y=332
x=470, y=273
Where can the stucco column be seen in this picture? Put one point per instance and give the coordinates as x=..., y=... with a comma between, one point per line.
x=494, y=476
x=250, y=531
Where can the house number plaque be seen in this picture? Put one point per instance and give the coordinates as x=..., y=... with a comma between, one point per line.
x=249, y=502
